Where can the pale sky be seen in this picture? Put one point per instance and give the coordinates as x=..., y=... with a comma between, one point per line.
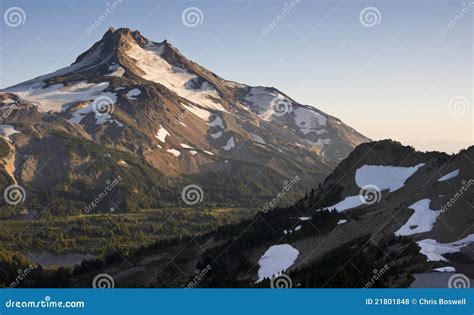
x=407, y=77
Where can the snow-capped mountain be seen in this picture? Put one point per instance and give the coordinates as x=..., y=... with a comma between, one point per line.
x=131, y=103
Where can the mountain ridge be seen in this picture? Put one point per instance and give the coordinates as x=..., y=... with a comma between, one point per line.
x=381, y=242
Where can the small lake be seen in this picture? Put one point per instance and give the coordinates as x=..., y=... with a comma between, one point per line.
x=61, y=260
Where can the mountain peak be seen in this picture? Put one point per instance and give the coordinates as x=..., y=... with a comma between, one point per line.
x=124, y=33
x=113, y=41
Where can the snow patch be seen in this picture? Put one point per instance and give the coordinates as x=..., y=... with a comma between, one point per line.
x=161, y=134
x=449, y=176
x=348, y=203
x=117, y=71
x=132, y=93
x=193, y=152
x=434, y=251
x=385, y=177
x=217, y=122
x=183, y=145
x=421, y=221
x=230, y=144
x=56, y=97
x=257, y=138
x=308, y=120
x=8, y=101
x=174, y=152
x=122, y=162
x=6, y=131
x=177, y=79
x=276, y=259
x=201, y=113
x=341, y=222
x=216, y=135
x=320, y=143
x=445, y=269
x=261, y=100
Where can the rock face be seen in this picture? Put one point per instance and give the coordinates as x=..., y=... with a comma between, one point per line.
x=384, y=216
x=137, y=108
x=396, y=211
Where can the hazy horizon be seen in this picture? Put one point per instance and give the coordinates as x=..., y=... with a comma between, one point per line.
x=407, y=77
